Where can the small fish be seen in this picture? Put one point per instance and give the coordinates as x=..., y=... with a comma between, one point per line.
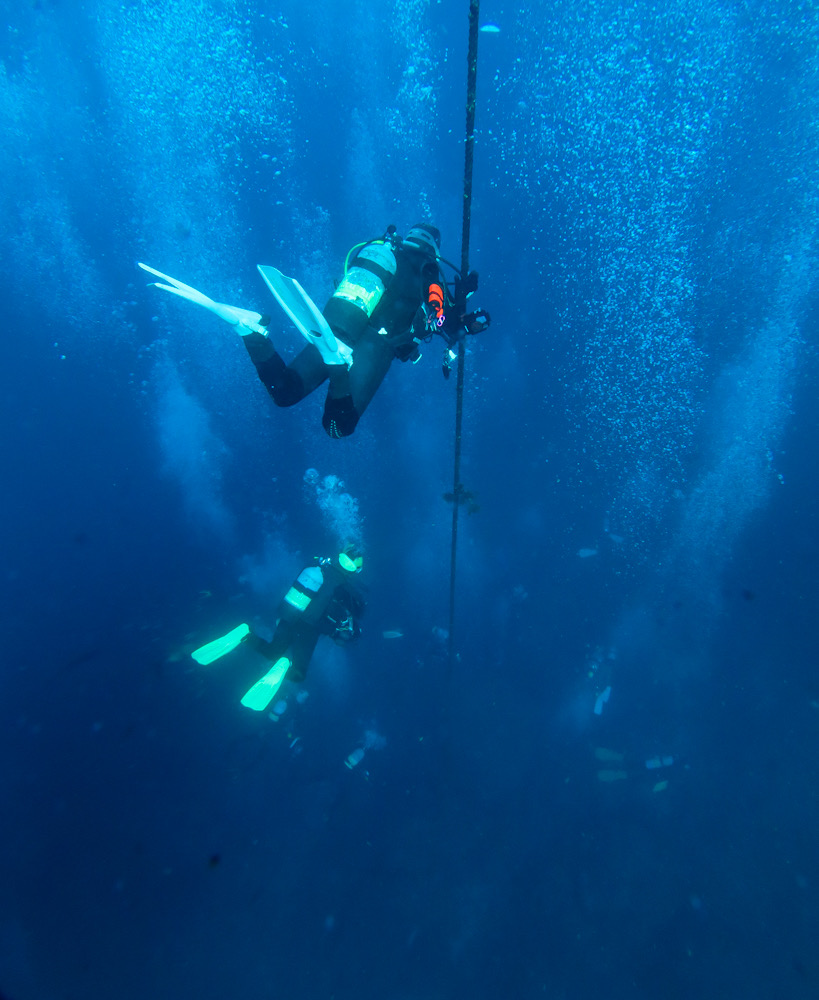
x=612, y=775
x=393, y=633
x=601, y=700
x=654, y=762
x=490, y=29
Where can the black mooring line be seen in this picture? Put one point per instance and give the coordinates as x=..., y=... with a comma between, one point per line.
x=469, y=149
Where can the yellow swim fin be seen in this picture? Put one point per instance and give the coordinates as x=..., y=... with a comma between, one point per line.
x=213, y=650
x=264, y=690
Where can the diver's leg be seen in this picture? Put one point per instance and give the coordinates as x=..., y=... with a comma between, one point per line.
x=287, y=384
x=351, y=390
x=278, y=645
x=301, y=651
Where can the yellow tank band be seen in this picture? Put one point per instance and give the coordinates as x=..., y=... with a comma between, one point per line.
x=362, y=296
x=296, y=599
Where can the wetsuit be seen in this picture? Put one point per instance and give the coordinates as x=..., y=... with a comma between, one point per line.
x=393, y=331
x=305, y=613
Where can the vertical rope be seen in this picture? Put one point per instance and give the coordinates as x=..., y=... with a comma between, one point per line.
x=457, y=489
x=469, y=150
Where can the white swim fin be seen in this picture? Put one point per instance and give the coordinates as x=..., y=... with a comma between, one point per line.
x=306, y=317
x=246, y=320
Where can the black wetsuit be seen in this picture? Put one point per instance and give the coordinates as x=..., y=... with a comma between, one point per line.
x=393, y=331
x=333, y=610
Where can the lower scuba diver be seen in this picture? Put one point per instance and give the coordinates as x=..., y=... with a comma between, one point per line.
x=322, y=600
x=393, y=297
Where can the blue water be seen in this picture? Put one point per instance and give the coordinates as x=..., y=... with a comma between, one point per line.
x=640, y=425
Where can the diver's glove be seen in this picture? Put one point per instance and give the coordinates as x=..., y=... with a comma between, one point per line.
x=477, y=321
x=464, y=287
x=245, y=320
x=472, y=323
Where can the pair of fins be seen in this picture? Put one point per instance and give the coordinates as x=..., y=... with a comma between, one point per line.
x=296, y=303
x=264, y=690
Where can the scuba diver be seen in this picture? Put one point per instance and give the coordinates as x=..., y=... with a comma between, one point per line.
x=321, y=601
x=392, y=298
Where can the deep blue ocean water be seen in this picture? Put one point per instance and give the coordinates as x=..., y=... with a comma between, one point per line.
x=640, y=428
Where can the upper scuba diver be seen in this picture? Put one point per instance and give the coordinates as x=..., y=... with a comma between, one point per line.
x=322, y=600
x=393, y=297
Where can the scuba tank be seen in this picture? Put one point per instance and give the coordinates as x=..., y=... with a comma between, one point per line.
x=305, y=588
x=361, y=289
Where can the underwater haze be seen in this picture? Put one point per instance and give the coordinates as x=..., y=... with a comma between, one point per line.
x=610, y=791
